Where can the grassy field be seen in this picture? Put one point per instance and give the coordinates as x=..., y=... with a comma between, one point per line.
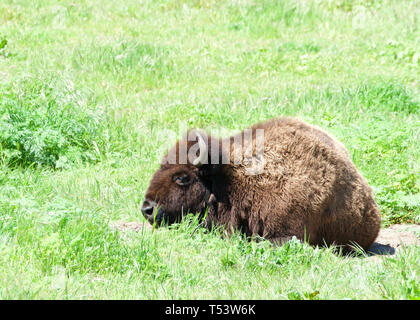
x=87, y=87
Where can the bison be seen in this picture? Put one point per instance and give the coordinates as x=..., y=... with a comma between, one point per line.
x=296, y=180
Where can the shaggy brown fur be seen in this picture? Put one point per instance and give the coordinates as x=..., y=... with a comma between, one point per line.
x=308, y=188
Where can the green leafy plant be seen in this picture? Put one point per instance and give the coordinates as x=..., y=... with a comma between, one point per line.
x=46, y=122
x=3, y=48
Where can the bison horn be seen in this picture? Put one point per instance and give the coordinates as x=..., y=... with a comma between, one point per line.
x=202, y=158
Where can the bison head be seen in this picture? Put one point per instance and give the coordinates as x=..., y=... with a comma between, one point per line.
x=181, y=185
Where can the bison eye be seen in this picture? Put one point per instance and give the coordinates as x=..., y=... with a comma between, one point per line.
x=182, y=180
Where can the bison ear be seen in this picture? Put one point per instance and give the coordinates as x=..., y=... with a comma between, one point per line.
x=209, y=170
x=206, y=153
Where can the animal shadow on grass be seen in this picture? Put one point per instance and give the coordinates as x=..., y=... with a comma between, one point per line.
x=379, y=249
x=355, y=251
x=390, y=240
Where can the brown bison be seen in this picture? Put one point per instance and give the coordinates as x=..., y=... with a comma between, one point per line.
x=278, y=179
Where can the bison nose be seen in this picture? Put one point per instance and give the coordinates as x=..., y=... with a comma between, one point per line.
x=147, y=208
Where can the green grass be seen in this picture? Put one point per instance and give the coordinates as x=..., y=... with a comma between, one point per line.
x=86, y=89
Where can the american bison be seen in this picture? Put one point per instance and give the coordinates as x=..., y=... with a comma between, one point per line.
x=277, y=179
